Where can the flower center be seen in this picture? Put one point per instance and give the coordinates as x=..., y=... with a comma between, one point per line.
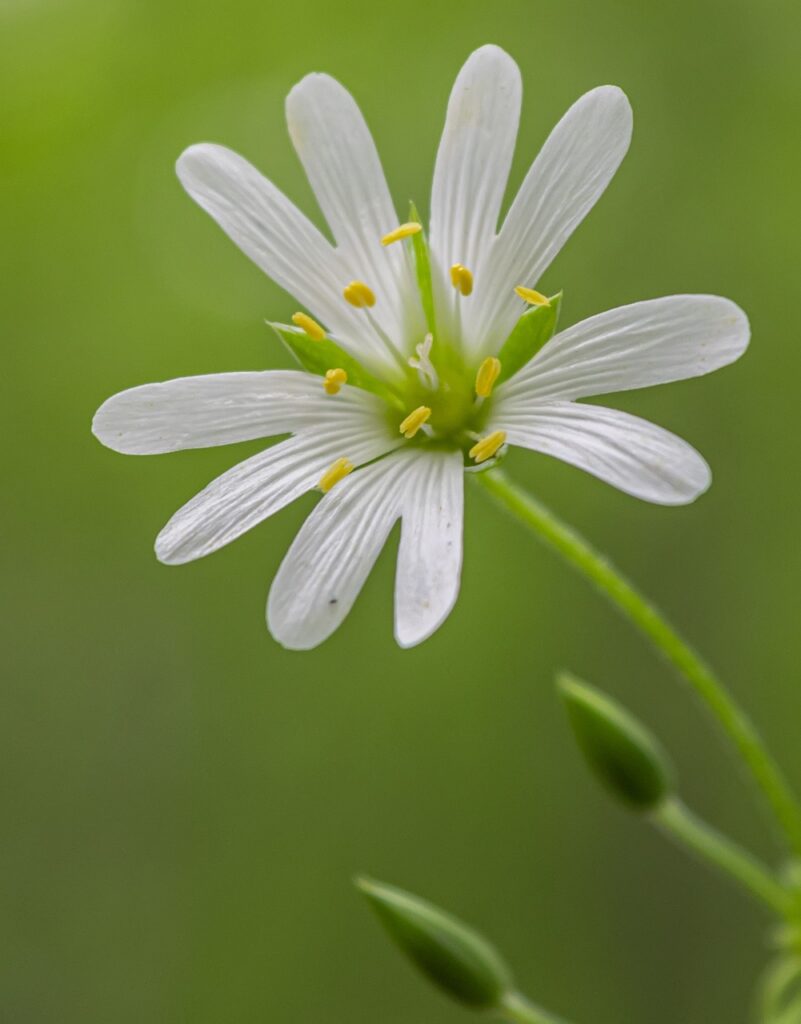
x=436, y=397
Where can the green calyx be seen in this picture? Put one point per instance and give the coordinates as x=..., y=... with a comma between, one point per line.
x=626, y=758
x=536, y=326
x=452, y=955
x=422, y=266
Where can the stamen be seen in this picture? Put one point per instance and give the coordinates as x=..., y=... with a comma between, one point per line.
x=336, y=471
x=487, y=374
x=334, y=379
x=487, y=446
x=358, y=294
x=311, y=327
x=404, y=231
x=461, y=278
x=414, y=421
x=532, y=297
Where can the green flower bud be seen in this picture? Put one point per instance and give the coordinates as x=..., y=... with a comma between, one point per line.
x=627, y=759
x=452, y=955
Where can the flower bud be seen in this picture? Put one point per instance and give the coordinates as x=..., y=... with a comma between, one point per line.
x=452, y=955
x=627, y=759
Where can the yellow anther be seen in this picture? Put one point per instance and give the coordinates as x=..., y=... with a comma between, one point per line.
x=487, y=446
x=311, y=327
x=404, y=231
x=487, y=374
x=359, y=294
x=336, y=471
x=461, y=278
x=334, y=379
x=532, y=297
x=414, y=421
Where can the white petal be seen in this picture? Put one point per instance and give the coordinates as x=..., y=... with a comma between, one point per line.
x=255, y=489
x=430, y=552
x=635, y=346
x=473, y=163
x=636, y=456
x=343, y=167
x=220, y=408
x=278, y=238
x=332, y=555
x=569, y=175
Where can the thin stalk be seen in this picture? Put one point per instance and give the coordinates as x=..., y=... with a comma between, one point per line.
x=644, y=615
x=516, y=1008
x=678, y=821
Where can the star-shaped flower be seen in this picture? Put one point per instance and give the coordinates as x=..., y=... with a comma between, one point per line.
x=422, y=358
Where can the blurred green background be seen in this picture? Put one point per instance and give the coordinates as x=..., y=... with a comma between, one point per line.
x=185, y=801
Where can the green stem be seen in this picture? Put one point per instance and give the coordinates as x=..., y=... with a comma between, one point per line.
x=778, y=988
x=516, y=1008
x=644, y=615
x=674, y=818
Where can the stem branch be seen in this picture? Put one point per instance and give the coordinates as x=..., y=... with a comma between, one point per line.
x=644, y=615
x=679, y=822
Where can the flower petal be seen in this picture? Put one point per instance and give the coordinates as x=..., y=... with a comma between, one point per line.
x=341, y=161
x=635, y=346
x=569, y=175
x=256, y=488
x=636, y=456
x=279, y=239
x=219, y=408
x=473, y=162
x=332, y=555
x=430, y=552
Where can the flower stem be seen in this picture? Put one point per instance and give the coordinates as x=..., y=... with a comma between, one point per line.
x=516, y=1008
x=676, y=819
x=645, y=616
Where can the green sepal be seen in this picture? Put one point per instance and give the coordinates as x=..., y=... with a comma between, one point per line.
x=422, y=266
x=532, y=330
x=450, y=954
x=626, y=758
x=319, y=356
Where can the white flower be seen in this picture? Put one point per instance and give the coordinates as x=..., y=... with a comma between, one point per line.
x=436, y=340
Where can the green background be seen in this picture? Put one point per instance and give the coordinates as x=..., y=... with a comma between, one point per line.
x=185, y=802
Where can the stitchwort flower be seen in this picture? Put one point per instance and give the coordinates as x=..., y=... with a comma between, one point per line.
x=422, y=355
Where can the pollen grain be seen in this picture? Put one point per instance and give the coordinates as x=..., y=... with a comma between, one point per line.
x=486, y=376
x=531, y=296
x=336, y=471
x=414, y=421
x=402, y=231
x=334, y=379
x=487, y=446
x=309, y=326
x=461, y=279
x=358, y=294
